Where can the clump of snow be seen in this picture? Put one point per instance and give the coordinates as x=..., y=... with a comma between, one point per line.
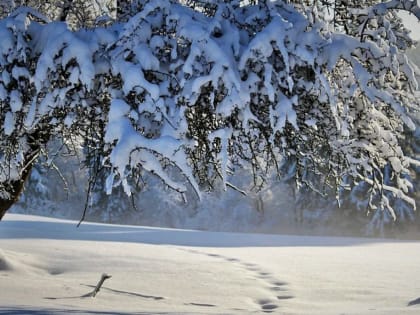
x=9, y=124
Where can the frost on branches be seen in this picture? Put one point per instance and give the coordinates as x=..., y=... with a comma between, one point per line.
x=191, y=92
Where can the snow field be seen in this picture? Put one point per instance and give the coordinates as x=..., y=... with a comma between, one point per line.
x=48, y=266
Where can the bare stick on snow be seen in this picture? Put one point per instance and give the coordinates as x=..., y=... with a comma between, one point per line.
x=99, y=285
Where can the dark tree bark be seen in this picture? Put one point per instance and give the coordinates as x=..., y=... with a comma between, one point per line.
x=65, y=10
x=14, y=188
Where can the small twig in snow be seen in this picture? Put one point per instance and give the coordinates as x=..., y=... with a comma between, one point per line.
x=99, y=285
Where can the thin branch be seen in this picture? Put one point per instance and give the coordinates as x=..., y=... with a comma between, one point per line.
x=230, y=185
x=63, y=179
x=133, y=203
x=89, y=193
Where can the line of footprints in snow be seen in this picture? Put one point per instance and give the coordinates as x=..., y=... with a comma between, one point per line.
x=277, y=289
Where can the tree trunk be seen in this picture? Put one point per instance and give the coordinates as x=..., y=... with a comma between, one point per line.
x=15, y=187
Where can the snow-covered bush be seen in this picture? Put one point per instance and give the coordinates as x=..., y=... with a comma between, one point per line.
x=191, y=93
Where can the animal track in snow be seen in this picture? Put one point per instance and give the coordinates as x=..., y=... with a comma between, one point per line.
x=201, y=304
x=267, y=306
x=285, y=297
x=273, y=285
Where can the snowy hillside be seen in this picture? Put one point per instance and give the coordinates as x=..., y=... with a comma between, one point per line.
x=48, y=266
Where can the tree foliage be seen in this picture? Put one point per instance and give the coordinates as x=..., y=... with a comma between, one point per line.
x=193, y=91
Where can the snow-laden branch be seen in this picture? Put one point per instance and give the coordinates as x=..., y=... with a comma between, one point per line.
x=29, y=12
x=380, y=9
x=202, y=94
x=410, y=6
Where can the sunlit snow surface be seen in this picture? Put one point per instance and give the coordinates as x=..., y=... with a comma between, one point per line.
x=47, y=266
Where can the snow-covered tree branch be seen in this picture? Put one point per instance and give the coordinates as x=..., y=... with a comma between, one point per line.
x=410, y=6
x=190, y=93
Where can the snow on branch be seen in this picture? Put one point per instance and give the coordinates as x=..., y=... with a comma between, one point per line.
x=382, y=8
x=410, y=6
x=191, y=96
x=29, y=12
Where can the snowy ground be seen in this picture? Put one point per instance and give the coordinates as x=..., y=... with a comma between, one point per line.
x=47, y=266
